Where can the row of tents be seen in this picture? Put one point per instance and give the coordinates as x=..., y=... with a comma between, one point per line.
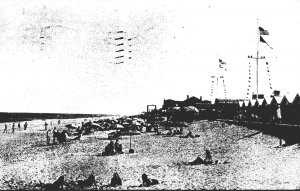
x=265, y=110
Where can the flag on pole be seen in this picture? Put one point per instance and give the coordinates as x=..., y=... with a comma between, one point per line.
x=263, y=31
x=263, y=40
x=222, y=62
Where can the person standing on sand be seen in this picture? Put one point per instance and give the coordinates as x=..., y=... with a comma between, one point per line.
x=48, y=137
x=54, y=135
x=19, y=126
x=13, y=128
x=25, y=126
x=46, y=124
x=5, y=128
x=278, y=114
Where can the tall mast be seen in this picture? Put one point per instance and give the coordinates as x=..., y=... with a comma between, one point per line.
x=257, y=54
x=257, y=57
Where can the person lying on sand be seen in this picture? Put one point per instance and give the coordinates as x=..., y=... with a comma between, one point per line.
x=63, y=137
x=148, y=181
x=54, y=186
x=207, y=160
x=116, y=180
x=71, y=138
x=197, y=161
x=190, y=135
x=90, y=181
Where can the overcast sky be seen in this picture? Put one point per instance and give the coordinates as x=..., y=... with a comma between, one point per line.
x=59, y=56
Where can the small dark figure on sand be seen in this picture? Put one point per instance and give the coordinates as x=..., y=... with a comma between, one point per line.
x=46, y=125
x=5, y=128
x=25, y=126
x=90, y=181
x=109, y=149
x=48, y=137
x=118, y=147
x=13, y=128
x=208, y=158
x=116, y=180
x=19, y=126
x=148, y=181
x=54, y=135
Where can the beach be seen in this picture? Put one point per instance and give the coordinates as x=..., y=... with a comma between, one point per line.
x=255, y=160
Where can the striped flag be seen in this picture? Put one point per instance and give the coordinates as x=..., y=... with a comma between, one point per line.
x=263, y=31
x=263, y=41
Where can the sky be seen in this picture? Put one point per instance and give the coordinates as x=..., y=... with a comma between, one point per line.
x=60, y=56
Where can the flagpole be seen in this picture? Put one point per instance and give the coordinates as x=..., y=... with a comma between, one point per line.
x=257, y=57
x=258, y=35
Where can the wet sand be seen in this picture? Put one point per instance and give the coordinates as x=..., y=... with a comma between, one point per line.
x=255, y=160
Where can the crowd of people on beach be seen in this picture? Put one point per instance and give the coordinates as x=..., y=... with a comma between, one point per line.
x=112, y=148
x=13, y=127
x=115, y=181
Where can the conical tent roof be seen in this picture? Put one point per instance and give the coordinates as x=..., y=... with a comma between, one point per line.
x=296, y=100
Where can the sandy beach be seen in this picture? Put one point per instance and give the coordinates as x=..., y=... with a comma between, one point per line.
x=255, y=160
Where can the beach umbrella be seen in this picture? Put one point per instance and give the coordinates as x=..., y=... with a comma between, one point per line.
x=136, y=123
x=118, y=126
x=128, y=119
x=125, y=123
x=174, y=108
x=173, y=124
x=95, y=125
x=114, y=121
x=70, y=126
x=139, y=120
x=190, y=109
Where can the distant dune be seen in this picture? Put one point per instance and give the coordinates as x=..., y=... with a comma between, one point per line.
x=13, y=117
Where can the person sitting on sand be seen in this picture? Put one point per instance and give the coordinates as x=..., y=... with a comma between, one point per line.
x=190, y=134
x=109, y=149
x=181, y=131
x=118, y=147
x=208, y=158
x=90, y=181
x=116, y=180
x=197, y=161
x=55, y=185
x=148, y=181
x=59, y=137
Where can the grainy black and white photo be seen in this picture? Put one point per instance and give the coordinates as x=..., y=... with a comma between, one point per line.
x=149, y=94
